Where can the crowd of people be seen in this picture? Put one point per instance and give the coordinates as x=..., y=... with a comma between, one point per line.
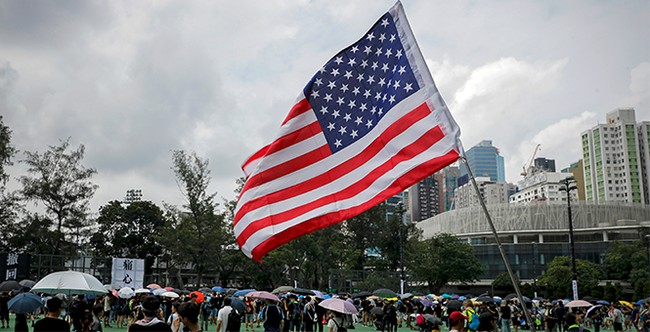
x=302, y=313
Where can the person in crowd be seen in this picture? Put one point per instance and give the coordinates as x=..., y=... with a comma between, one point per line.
x=152, y=321
x=572, y=323
x=335, y=322
x=189, y=315
x=617, y=318
x=51, y=321
x=271, y=316
x=506, y=317
x=486, y=319
x=222, y=316
x=457, y=322
x=4, y=309
x=174, y=321
x=550, y=318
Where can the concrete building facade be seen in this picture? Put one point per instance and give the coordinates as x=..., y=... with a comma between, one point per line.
x=492, y=192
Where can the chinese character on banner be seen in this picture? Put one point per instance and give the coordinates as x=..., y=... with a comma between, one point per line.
x=128, y=265
x=128, y=272
x=11, y=274
x=12, y=259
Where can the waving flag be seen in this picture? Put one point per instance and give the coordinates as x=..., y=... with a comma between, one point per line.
x=369, y=124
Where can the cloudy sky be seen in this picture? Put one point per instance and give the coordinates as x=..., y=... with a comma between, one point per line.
x=134, y=80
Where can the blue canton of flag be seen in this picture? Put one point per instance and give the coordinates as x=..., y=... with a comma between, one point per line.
x=358, y=86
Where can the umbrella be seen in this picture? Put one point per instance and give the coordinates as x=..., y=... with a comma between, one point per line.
x=626, y=303
x=339, y=305
x=205, y=290
x=263, y=295
x=385, y=293
x=406, y=296
x=69, y=282
x=497, y=299
x=25, y=302
x=454, y=305
x=282, y=289
x=318, y=295
x=27, y=283
x=361, y=294
x=10, y=285
x=153, y=286
x=242, y=292
x=142, y=291
x=577, y=304
x=238, y=305
x=602, y=302
x=592, y=309
x=231, y=291
x=447, y=296
x=510, y=297
x=484, y=299
x=169, y=294
x=377, y=311
x=200, y=297
x=218, y=289
x=432, y=319
x=425, y=301
x=589, y=299
x=125, y=293
x=302, y=291
x=159, y=291
x=169, y=289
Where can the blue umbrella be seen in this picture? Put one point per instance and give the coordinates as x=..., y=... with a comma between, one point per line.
x=25, y=302
x=218, y=289
x=603, y=302
x=238, y=305
x=242, y=292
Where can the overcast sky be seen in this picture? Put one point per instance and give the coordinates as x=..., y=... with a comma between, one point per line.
x=134, y=80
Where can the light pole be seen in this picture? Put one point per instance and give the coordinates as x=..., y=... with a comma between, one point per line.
x=402, y=277
x=647, y=244
x=569, y=185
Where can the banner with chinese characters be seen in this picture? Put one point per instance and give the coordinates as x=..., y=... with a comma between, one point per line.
x=128, y=272
x=14, y=266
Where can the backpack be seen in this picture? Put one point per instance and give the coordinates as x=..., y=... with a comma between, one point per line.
x=474, y=320
x=339, y=328
x=296, y=311
x=234, y=321
x=420, y=320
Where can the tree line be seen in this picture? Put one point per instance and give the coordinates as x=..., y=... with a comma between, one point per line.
x=198, y=234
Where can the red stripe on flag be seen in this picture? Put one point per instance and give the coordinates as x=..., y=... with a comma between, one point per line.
x=369, y=152
x=259, y=154
x=297, y=109
x=429, y=138
x=312, y=225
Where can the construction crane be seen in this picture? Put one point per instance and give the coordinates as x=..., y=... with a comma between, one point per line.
x=530, y=163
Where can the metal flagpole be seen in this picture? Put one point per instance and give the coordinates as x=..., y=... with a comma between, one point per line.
x=496, y=238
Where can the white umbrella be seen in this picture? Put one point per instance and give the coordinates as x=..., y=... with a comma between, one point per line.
x=126, y=293
x=578, y=303
x=169, y=294
x=339, y=305
x=69, y=282
x=142, y=291
x=159, y=291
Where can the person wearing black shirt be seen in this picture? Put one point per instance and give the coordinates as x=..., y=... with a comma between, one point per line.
x=51, y=322
x=486, y=320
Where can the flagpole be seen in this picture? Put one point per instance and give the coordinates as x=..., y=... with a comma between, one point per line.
x=498, y=242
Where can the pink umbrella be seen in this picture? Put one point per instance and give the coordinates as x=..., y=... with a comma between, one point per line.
x=263, y=295
x=169, y=289
x=153, y=286
x=339, y=305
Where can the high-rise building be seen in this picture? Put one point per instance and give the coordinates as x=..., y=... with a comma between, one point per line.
x=578, y=174
x=450, y=176
x=643, y=130
x=544, y=164
x=425, y=197
x=542, y=187
x=485, y=161
x=492, y=193
x=613, y=160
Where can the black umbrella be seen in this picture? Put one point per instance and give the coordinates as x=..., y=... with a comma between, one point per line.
x=510, y=297
x=454, y=305
x=238, y=305
x=432, y=319
x=385, y=293
x=302, y=291
x=485, y=299
x=376, y=311
x=27, y=283
x=10, y=285
x=361, y=294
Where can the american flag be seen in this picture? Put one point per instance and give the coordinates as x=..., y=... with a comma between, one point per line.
x=369, y=124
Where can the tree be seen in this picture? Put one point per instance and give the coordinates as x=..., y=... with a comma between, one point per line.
x=558, y=276
x=443, y=259
x=127, y=230
x=57, y=179
x=9, y=204
x=503, y=281
x=197, y=233
x=629, y=262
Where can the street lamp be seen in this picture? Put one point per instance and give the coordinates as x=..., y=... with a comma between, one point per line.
x=569, y=185
x=402, y=277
